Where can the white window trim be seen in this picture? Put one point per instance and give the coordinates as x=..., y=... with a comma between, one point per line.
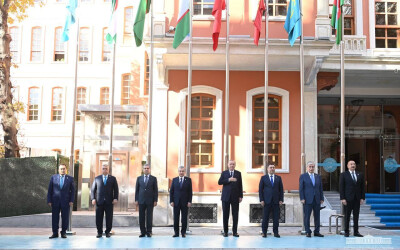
x=254, y=8
x=371, y=12
x=217, y=128
x=90, y=44
x=64, y=108
x=39, y=120
x=285, y=127
x=42, y=44
x=54, y=47
x=19, y=45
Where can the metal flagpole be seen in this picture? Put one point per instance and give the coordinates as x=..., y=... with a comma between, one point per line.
x=227, y=88
x=189, y=99
x=303, y=154
x=110, y=158
x=71, y=158
x=266, y=70
x=342, y=111
x=150, y=112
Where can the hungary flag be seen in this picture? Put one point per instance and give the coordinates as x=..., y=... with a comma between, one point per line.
x=138, y=27
x=111, y=36
x=336, y=21
x=183, y=27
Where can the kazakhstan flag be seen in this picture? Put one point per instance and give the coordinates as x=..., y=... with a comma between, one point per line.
x=71, y=17
x=293, y=21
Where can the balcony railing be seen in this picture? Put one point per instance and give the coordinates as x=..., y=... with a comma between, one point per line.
x=353, y=45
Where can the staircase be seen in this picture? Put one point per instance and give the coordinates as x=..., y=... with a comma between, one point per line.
x=387, y=207
x=367, y=216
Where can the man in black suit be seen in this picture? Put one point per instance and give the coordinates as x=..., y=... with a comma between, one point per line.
x=232, y=195
x=271, y=196
x=146, y=196
x=180, y=198
x=60, y=197
x=311, y=196
x=352, y=195
x=104, y=195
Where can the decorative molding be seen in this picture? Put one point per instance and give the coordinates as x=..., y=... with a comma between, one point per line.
x=327, y=80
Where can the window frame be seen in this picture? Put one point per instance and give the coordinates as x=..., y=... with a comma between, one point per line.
x=129, y=88
x=103, y=47
x=88, y=45
x=386, y=26
x=351, y=18
x=61, y=104
x=106, y=100
x=18, y=43
x=128, y=23
x=55, y=45
x=78, y=115
x=146, y=75
x=40, y=60
x=28, y=109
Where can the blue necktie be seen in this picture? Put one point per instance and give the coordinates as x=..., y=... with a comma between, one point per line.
x=146, y=178
x=312, y=179
x=180, y=182
x=272, y=180
x=105, y=180
x=354, y=178
x=61, y=181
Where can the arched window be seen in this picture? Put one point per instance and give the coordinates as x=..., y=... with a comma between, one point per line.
x=128, y=20
x=59, y=52
x=84, y=45
x=36, y=44
x=14, y=44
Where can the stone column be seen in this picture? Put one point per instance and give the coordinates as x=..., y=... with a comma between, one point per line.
x=322, y=23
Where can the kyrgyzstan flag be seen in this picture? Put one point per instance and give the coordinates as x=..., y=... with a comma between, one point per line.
x=219, y=5
x=257, y=21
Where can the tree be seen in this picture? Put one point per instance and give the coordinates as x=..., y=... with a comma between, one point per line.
x=10, y=10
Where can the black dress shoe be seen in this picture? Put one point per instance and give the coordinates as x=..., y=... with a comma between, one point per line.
x=108, y=235
x=175, y=235
x=346, y=235
x=358, y=235
x=318, y=235
x=236, y=235
x=225, y=234
x=277, y=235
x=308, y=235
x=149, y=235
x=99, y=235
x=64, y=236
x=183, y=235
x=142, y=235
x=264, y=235
x=53, y=236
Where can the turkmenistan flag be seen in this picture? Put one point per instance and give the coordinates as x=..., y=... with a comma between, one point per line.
x=138, y=27
x=112, y=27
x=336, y=21
x=183, y=27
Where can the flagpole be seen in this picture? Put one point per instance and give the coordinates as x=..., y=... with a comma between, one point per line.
x=227, y=88
x=71, y=157
x=150, y=112
x=266, y=70
x=189, y=102
x=110, y=158
x=342, y=110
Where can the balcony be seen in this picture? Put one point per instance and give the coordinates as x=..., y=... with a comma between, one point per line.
x=353, y=45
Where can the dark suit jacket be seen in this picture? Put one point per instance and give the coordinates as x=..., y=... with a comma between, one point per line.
x=146, y=194
x=270, y=194
x=61, y=197
x=104, y=194
x=308, y=191
x=349, y=190
x=231, y=191
x=181, y=195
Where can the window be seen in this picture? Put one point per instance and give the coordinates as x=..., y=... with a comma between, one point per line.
x=33, y=104
x=59, y=52
x=84, y=45
x=128, y=20
x=348, y=12
x=146, y=74
x=80, y=99
x=36, y=44
x=58, y=151
x=14, y=44
x=76, y=156
x=387, y=28
x=105, y=96
x=56, y=104
x=203, y=7
x=202, y=144
x=106, y=49
x=274, y=131
x=126, y=89
x=277, y=7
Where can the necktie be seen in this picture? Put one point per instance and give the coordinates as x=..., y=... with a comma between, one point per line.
x=272, y=180
x=105, y=180
x=180, y=182
x=61, y=181
x=354, y=178
x=231, y=173
x=146, y=178
x=312, y=179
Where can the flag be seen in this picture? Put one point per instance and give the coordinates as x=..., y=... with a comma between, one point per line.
x=183, y=27
x=258, y=21
x=336, y=21
x=293, y=21
x=111, y=36
x=219, y=5
x=138, y=27
x=71, y=18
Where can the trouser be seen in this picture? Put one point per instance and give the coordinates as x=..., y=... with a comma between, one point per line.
x=180, y=210
x=100, y=210
x=315, y=208
x=55, y=214
x=275, y=217
x=146, y=218
x=235, y=215
x=354, y=206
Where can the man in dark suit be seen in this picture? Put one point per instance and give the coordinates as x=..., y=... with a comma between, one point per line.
x=271, y=196
x=352, y=195
x=146, y=196
x=180, y=198
x=311, y=196
x=232, y=195
x=104, y=195
x=60, y=197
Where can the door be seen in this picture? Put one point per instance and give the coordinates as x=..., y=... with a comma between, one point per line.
x=390, y=158
x=119, y=169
